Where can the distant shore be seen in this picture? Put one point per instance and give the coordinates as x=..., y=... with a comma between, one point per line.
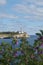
x=13, y=34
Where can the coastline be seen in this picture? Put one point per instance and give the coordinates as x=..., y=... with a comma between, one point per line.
x=13, y=35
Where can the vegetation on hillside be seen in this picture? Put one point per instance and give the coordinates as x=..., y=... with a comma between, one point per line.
x=9, y=32
x=22, y=53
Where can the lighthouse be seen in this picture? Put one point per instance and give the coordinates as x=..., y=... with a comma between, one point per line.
x=21, y=31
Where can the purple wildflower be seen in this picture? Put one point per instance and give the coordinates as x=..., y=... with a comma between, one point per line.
x=15, y=55
x=41, y=38
x=17, y=42
x=40, y=52
x=41, y=46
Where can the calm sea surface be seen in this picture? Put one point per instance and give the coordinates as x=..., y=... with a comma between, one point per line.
x=31, y=40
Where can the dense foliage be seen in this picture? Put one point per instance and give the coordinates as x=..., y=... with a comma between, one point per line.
x=22, y=53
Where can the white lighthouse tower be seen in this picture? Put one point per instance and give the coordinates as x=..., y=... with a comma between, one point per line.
x=21, y=29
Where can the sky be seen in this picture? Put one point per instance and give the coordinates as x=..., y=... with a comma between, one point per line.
x=25, y=14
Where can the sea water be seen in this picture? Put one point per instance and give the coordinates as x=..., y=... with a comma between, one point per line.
x=31, y=40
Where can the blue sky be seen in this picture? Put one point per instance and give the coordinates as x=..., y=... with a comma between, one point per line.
x=27, y=14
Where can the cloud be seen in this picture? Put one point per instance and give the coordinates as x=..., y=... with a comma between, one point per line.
x=33, y=17
x=21, y=8
x=8, y=16
x=2, y=2
x=30, y=7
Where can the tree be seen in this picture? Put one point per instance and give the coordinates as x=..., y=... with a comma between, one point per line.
x=38, y=46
